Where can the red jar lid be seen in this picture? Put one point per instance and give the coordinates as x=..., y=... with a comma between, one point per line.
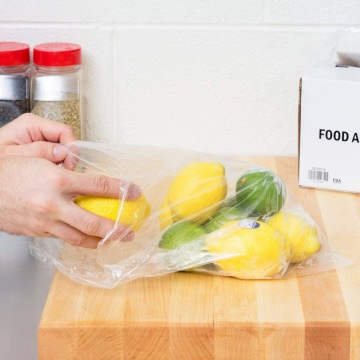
x=14, y=53
x=57, y=54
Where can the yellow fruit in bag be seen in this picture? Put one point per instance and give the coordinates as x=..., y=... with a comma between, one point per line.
x=255, y=249
x=197, y=191
x=133, y=213
x=165, y=216
x=299, y=232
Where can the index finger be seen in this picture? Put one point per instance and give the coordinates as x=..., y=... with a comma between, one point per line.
x=29, y=128
x=101, y=185
x=51, y=130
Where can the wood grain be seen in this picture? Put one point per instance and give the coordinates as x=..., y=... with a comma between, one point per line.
x=196, y=316
x=332, y=340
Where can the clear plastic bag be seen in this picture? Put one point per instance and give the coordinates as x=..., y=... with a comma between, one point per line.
x=197, y=212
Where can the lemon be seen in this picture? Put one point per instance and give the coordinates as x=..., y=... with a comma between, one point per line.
x=165, y=216
x=260, y=192
x=132, y=212
x=197, y=191
x=258, y=249
x=181, y=233
x=299, y=232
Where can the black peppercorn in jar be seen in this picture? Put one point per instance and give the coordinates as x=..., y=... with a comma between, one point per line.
x=14, y=80
x=56, y=84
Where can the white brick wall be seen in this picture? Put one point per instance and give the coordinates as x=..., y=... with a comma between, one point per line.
x=210, y=75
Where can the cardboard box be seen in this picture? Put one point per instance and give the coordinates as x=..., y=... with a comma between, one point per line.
x=329, y=129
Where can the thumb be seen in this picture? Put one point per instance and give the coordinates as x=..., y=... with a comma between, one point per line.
x=42, y=149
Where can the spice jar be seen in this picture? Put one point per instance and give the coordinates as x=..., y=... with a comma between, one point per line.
x=56, y=84
x=15, y=74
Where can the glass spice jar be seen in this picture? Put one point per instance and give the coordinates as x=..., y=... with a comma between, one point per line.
x=15, y=74
x=56, y=84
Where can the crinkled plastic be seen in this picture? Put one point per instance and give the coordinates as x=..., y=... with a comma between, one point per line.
x=342, y=48
x=208, y=214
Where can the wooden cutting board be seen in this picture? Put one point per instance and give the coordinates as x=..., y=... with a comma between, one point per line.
x=195, y=316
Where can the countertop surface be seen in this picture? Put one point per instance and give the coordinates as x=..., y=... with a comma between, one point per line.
x=197, y=316
x=188, y=315
x=24, y=285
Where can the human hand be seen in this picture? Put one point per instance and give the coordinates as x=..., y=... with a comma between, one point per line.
x=37, y=200
x=31, y=135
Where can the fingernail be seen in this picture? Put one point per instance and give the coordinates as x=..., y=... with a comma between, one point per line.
x=59, y=152
x=124, y=233
x=134, y=191
x=129, y=237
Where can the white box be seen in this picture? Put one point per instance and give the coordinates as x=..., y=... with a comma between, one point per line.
x=329, y=129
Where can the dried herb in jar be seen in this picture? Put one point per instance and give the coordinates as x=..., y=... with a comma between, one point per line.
x=56, y=84
x=66, y=112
